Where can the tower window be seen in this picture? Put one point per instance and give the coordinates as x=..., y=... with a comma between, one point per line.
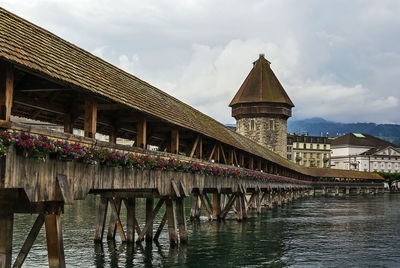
x=271, y=125
x=252, y=124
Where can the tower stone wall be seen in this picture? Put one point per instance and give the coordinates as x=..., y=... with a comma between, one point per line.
x=270, y=132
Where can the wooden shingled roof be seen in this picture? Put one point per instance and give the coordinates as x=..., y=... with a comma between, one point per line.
x=341, y=173
x=261, y=85
x=32, y=47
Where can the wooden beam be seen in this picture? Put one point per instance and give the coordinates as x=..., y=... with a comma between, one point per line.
x=29, y=241
x=161, y=226
x=212, y=152
x=223, y=154
x=113, y=205
x=149, y=223
x=101, y=219
x=205, y=207
x=55, y=246
x=174, y=189
x=141, y=133
x=90, y=118
x=175, y=141
x=196, y=142
x=235, y=157
x=228, y=206
x=112, y=227
x=41, y=90
x=6, y=90
x=6, y=238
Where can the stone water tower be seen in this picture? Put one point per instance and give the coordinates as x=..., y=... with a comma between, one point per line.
x=261, y=108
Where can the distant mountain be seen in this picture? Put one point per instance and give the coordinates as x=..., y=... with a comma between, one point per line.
x=315, y=126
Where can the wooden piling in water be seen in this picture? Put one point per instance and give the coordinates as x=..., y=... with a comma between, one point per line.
x=55, y=246
x=171, y=218
x=6, y=237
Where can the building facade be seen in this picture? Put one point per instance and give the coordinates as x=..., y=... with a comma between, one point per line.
x=309, y=151
x=363, y=152
x=261, y=108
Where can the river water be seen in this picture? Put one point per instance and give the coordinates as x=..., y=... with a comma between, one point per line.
x=355, y=231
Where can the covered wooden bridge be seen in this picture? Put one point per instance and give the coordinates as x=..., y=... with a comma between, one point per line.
x=45, y=78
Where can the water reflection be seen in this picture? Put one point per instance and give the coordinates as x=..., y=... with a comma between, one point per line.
x=326, y=231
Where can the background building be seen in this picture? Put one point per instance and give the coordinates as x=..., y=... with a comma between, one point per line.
x=261, y=108
x=363, y=152
x=309, y=151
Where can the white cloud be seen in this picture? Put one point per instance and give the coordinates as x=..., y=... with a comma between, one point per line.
x=336, y=59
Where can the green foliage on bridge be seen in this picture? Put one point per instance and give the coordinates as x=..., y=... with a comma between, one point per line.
x=390, y=177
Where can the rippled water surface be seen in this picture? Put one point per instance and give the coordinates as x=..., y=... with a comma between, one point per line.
x=357, y=231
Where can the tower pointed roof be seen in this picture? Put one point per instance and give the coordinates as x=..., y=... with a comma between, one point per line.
x=261, y=86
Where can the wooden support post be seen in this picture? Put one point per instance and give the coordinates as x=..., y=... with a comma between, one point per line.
x=130, y=219
x=141, y=133
x=194, y=207
x=29, y=241
x=230, y=158
x=259, y=166
x=90, y=118
x=199, y=151
x=244, y=206
x=55, y=246
x=216, y=206
x=198, y=208
x=101, y=219
x=6, y=90
x=239, y=215
x=241, y=160
x=68, y=124
x=161, y=226
x=6, y=238
x=251, y=163
x=258, y=203
x=172, y=228
x=112, y=137
x=149, y=220
x=175, y=141
x=181, y=219
x=217, y=153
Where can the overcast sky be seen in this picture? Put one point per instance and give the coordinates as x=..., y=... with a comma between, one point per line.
x=339, y=60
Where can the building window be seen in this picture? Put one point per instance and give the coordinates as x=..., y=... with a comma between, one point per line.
x=271, y=125
x=252, y=124
x=317, y=163
x=318, y=155
x=324, y=146
x=311, y=155
x=305, y=146
x=317, y=146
